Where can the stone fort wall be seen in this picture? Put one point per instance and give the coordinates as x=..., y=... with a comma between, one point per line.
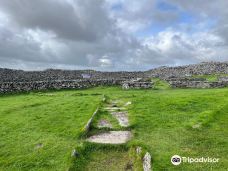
x=18, y=80
x=8, y=87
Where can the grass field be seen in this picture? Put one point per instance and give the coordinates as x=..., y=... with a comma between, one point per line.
x=38, y=131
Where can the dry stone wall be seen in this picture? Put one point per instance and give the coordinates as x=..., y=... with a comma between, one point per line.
x=204, y=68
x=8, y=87
x=223, y=78
x=18, y=80
x=198, y=84
x=136, y=85
x=9, y=75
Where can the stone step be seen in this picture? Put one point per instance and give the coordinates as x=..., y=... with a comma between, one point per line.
x=122, y=118
x=104, y=124
x=114, y=108
x=111, y=137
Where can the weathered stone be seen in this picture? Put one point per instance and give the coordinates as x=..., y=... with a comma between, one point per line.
x=111, y=137
x=225, y=79
x=198, y=84
x=122, y=118
x=87, y=127
x=138, y=150
x=147, y=162
x=136, y=85
x=114, y=108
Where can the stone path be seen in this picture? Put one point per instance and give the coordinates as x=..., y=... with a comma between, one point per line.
x=118, y=137
x=119, y=113
x=113, y=137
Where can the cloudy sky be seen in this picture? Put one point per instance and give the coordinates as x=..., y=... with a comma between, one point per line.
x=111, y=34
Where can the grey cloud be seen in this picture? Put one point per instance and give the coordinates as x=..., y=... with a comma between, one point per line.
x=74, y=21
x=85, y=34
x=141, y=14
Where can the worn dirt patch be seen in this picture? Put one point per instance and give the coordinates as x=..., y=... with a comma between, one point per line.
x=111, y=137
x=122, y=118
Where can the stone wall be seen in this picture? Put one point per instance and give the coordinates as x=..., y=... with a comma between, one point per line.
x=136, y=85
x=198, y=84
x=18, y=80
x=9, y=75
x=204, y=68
x=8, y=87
x=223, y=78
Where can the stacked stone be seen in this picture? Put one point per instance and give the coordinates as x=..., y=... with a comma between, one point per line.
x=223, y=78
x=18, y=80
x=7, y=87
x=136, y=85
x=205, y=68
x=198, y=84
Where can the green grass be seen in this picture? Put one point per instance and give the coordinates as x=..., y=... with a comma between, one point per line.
x=162, y=121
x=160, y=84
x=102, y=158
x=54, y=120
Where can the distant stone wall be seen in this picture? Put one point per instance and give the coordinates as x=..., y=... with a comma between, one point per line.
x=9, y=75
x=198, y=84
x=223, y=78
x=184, y=79
x=136, y=85
x=8, y=87
x=204, y=68
x=19, y=80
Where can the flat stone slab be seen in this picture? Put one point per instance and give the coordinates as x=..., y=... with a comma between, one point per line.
x=122, y=118
x=104, y=124
x=114, y=108
x=111, y=137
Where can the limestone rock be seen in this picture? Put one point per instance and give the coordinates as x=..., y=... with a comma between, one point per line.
x=147, y=162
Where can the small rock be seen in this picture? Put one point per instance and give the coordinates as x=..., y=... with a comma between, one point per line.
x=128, y=103
x=196, y=126
x=74, y=153
x=138, y=150
x=147, y=162
x=39, y=145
